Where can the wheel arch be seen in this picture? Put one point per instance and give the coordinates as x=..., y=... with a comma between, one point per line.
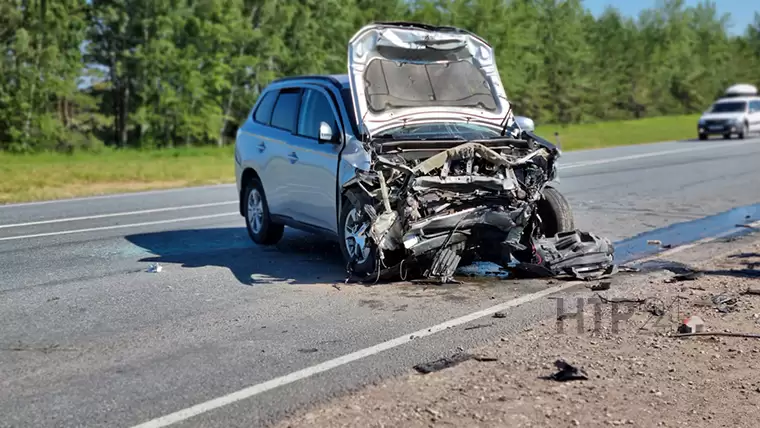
x=248, y=175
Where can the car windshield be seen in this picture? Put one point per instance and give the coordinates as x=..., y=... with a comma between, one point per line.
x=439, y=131
x=730, y=107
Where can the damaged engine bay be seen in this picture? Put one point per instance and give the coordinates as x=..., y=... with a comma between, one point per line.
x=428, y=207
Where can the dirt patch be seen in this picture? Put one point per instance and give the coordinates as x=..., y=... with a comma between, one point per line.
x=638, y=373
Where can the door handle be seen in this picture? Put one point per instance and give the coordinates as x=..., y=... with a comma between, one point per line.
x=293, y=157
x=262, y=147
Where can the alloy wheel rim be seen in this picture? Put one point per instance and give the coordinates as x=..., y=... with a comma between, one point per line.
x=355, y=236
x=255, y=211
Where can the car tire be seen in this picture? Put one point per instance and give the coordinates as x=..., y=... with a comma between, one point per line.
x=742, y=132
x=258, y=221
x=555, y=212
x=354, y=226
x=702, y=137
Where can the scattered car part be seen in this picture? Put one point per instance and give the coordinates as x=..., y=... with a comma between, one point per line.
x=567, y=372
x=447, y=362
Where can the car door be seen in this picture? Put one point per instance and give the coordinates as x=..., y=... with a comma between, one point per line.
x=754, y=116
x=314, y=163
x=275, y=148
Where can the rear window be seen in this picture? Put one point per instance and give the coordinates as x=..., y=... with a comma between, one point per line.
x=285, y=114
x=263, y=113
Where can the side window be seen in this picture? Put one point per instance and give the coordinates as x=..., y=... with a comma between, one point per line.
x=263, y=113
x=285, y=113
x=754, y=106
x=315, y=108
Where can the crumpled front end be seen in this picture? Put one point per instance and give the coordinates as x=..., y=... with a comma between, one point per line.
x=430, y=209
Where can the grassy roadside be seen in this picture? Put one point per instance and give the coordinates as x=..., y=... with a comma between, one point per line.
x=53, y=175
x=621, y=133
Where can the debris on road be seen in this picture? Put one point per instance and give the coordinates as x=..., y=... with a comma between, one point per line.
x=633, y=367
x=308, y=350
x=656, y=308
x=500, y=315
x=725, y=302
x=654, y=242
x=619, y=299
x=688, y=276
x=752, y=291
x=693, y=324
x=477, y=326
x=452, y=361
x=748, y=226
x=719, y=333
x=155, y=268
x=602, y=286
x=567, y=372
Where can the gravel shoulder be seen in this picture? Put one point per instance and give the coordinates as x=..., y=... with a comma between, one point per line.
x=639, y=374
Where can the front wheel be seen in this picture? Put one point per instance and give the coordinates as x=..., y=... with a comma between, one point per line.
x=555, y=213
x=742, y=132
x=355, y=243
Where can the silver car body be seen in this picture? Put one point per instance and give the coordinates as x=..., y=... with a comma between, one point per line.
x=303, y=177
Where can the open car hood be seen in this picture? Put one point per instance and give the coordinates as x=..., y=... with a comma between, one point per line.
x=403, y=73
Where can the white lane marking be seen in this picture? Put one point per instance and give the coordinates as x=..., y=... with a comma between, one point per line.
x=117, y=195
x=93, y=217
x=118, y=226
x=653, y=154
x=251, y=391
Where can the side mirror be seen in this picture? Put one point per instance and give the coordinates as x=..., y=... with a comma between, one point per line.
x=326, y=134
x=526, y=123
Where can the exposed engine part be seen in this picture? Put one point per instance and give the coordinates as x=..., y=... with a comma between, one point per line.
x=472, y=201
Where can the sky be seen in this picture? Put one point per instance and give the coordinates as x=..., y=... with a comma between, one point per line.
x=742, y=11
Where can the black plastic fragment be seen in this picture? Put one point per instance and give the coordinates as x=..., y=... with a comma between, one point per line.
x=442, y=363
x=567, y=372
x=447, y=362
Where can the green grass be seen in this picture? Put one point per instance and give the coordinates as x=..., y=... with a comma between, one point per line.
x=620, y=133
x=54, y=175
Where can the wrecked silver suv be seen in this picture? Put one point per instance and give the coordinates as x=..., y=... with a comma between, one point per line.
x=414, y=161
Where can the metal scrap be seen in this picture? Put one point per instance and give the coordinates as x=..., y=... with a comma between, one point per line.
x=725, y=302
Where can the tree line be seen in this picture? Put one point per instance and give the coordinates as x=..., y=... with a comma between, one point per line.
x=163, y=73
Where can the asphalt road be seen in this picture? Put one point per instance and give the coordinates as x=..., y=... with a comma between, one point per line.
x=89, y=338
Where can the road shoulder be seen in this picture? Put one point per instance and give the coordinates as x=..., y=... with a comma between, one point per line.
x=638, y=374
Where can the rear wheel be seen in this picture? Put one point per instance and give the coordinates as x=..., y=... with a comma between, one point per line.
x=555, y=212
x=355, y=244
x=260, y=227
x=702, y=137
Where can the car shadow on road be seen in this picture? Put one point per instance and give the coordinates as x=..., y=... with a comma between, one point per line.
x=299, y=258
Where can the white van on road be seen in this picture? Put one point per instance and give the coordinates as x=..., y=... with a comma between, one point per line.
x=737, y=112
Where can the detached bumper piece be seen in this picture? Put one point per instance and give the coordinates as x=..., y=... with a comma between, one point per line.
x=577, y=254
